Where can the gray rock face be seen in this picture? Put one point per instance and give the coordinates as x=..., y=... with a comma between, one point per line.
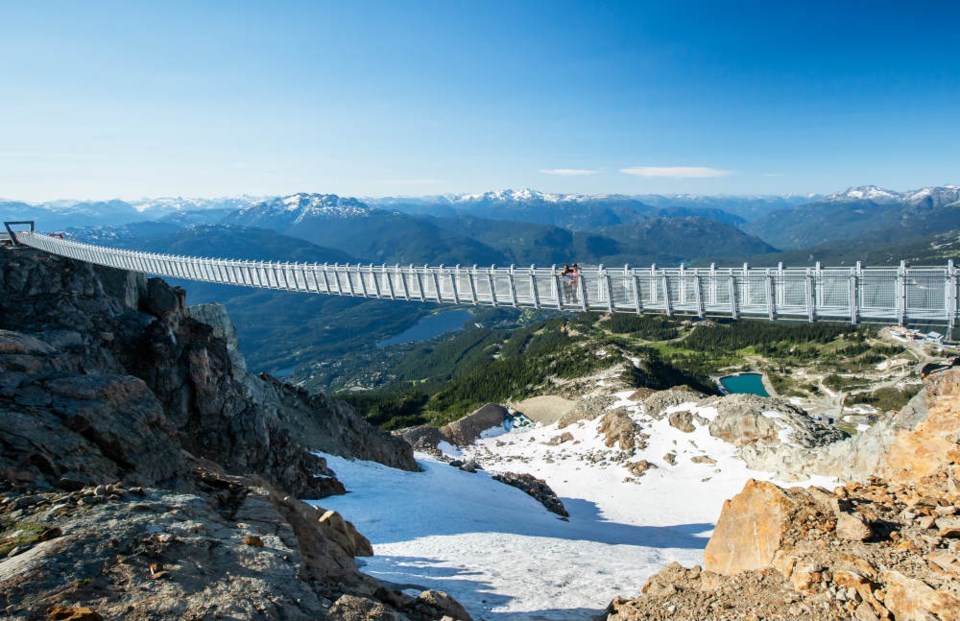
x=655, y=404
x=745, y=419
x=103, y=339
x=422, y=437
x=468, y=429
x=120, y=416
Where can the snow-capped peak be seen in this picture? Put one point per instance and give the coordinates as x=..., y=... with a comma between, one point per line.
x=302, y=205
x=865, y=193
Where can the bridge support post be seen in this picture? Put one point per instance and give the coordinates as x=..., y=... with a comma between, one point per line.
x=713, y=284
x=436, y=281
x=582, y=287
x=534, y=290
x=698, y=294
x=683, y=284
x=637, y=294
x=771, y=299
x=419, y=275
x=472, y=278
x=389, y=281
x=363, y=285
x=403, y=281
x=901, y=296
x=557, y=287
x=810, y=292
x=511, y=277
x=854, y=296
x=665, y=282
x=454, y=282
x=951, y=298
x=493, y=285
x=734, y=305
x=653, y=284
x=607, y=287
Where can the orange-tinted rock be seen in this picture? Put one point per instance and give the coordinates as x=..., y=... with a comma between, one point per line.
x=72, y=613
x=922, y=451
x=908, y=598
x=750, y=529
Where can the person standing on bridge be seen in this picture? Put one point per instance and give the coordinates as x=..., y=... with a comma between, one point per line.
x=574, y=281
x=566, y=275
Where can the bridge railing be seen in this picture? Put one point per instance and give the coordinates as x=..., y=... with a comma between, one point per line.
x=856, y=294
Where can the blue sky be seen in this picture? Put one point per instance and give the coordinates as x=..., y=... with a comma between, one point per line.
x=130, y=99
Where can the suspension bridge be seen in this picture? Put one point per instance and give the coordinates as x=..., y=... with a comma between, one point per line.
x=894, y=295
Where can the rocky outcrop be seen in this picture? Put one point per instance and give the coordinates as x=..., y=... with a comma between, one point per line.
x=144, y=474
x=84, y=343
x=536, y=488
x=655, y=404
x=745, y=419
x=424, y=438
x=885, y=548
x=620, y=430
x=587, y=408
x=467, y=430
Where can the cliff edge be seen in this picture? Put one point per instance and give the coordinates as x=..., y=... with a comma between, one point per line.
x=145, y=474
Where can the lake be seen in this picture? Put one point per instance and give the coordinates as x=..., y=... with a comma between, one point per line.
x=749, y=383
x=430, y=327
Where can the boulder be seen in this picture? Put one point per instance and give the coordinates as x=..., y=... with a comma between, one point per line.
x=909, y=598
x=444, y=604
x=621, y=430
x=683, y=421
x=751, y=528
x=928, y=447
x=537, y=488
x=852, y=527
x=353, y=608
x=467, y=430
x=423, y=437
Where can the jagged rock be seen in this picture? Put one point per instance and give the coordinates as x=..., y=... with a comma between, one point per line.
x=444, y=604
x=535, y=487
x=353, y=608
x=670, y=458
x=864, y=551
x=111, y=390
x=919, y=452
x=423, y=438
x=621, y=430
x=682, y=421
x=655, y=404
x=744, y=419
x=566, y=436
x=853, y=527
x=467, y=430
x=909, y=598
x=703, y=459
x=59, y=612
x=751, y=528
x=639, y=468
x=161, y=364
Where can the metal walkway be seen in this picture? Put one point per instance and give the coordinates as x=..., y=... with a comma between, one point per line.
x=851, y=294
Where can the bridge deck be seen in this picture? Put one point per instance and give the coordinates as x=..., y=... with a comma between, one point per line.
x=897, y=295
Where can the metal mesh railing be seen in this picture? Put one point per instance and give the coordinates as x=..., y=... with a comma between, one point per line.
x=855, y=294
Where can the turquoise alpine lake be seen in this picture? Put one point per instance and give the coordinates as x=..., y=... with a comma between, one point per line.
x=749, y=383
x=430, y=327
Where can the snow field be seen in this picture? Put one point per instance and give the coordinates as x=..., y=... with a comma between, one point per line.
x=504, y=556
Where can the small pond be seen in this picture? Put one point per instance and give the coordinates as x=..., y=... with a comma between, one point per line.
x=430, y=327
x=749, y=383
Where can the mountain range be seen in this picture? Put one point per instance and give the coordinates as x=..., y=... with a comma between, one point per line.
x=510, y=227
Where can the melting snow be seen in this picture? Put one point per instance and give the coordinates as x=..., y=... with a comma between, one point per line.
x=503, y=556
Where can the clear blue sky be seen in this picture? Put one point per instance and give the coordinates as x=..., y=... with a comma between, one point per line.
x=130, y=99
